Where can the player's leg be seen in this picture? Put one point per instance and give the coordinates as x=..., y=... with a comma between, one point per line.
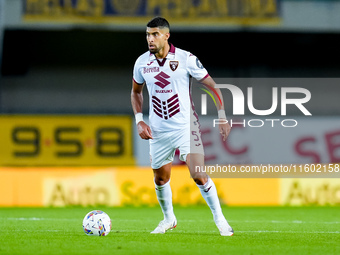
x=163, y=190
x=208, y=191
x=162, y=155
x=164, y=196
x=205, y=184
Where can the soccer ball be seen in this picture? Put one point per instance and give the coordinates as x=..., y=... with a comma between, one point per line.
x=97, y=223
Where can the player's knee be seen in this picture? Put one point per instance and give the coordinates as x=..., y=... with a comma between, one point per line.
x=160, y=180
x=200, y=181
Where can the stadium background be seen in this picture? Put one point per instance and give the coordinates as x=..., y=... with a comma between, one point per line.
x=67, y=130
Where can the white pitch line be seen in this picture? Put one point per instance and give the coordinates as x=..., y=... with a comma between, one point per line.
x=201, y=220
x=291, y=232
x=39, y=230
x=38, y=219
x=196, y=232
x=285, y=222
x=237, y=231
x=271, y=231
x=33, y=219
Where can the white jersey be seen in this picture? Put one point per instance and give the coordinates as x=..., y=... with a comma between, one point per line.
x=168, y=83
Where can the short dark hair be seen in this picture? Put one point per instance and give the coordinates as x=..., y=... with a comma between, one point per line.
x=158, y=22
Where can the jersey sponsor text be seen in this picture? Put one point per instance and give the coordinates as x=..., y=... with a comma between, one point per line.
x=151, y=69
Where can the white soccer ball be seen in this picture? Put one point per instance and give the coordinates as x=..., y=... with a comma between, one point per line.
x=97, y=223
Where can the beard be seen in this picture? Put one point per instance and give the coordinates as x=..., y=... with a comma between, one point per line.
x=154, y=50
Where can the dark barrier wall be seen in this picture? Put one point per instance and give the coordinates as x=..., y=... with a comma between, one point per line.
x=279, y=54
x=90, y=71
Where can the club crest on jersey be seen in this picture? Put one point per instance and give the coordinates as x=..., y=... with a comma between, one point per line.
x=173, y=65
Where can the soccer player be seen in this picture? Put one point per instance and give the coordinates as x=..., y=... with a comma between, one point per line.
x=166, y=71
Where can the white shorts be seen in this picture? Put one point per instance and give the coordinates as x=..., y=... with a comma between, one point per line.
x=163, y=146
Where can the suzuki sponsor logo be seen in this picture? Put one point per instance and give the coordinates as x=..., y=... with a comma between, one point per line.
x=162, y=80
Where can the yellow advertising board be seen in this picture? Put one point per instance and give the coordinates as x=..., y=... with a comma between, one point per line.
x=121, y=186
x=310, y=191
x=185, y=13
x=134, y=186
x=137, y=188
x=65, y=140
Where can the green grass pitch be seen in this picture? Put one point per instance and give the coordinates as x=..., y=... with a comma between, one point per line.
x=258, y=230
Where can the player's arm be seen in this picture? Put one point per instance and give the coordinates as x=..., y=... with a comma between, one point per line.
x=144, y=130
x=224, y=126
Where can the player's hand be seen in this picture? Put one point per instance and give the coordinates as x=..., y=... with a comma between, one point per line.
x=144, y=130
x=224, y=130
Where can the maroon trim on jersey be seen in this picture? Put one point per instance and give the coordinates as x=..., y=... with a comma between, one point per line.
x=172, y=51
x=172, y=48
x=193, y=107
x=137, y=82
x=204, y=77
x=212, y=89
x=161, y=62
x=219, y=99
